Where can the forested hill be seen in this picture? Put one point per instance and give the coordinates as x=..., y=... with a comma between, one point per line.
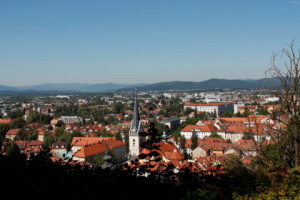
x=211, y=84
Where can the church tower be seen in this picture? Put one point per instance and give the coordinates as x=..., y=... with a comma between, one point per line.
x=135, y=129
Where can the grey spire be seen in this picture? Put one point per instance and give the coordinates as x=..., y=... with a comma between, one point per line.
x=107, y=159
x=135, y=124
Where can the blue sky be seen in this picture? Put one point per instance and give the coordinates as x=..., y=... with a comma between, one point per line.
x=141, y=41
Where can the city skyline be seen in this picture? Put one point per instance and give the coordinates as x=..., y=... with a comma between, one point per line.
x=141, y=41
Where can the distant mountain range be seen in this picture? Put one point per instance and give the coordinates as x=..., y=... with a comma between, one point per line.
x=65, y=87
x=211, y=84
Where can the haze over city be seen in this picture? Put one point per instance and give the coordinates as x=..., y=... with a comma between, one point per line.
x=139, y=41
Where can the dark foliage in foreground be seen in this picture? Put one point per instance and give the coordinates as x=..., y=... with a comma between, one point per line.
x=39, y=177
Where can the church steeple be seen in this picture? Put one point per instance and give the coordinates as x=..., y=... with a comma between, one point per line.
x=135, y=124
x=135, y=129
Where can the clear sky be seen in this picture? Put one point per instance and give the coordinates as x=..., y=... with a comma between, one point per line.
x=141, y=41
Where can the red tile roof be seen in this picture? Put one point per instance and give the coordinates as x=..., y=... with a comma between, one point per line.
x=36, y=143
x=246, y=145
x=97, y=148
x=81, y=141
x=201, y=128
x=13, y=131
x=40, y=132
x=5, y=121
x=90, y=150
x=175, y=155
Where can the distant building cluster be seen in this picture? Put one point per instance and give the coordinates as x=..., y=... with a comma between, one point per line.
x=86, y=129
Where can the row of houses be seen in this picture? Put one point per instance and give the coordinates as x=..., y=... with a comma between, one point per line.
x=219, y=147
x=262, y=128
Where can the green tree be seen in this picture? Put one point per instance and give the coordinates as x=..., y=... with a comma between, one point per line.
x=27, y=134
x=285, y=70
x=182, y=142
x=48, y=139
x=59, y=131
x=32, y=117
x=16, y=114
x=194, y=140
x=65, y=137
x=118, y=136
x=247, y=136
x=98, y=160
x=262, y=111
x=214, y=135
x=188, y=111
x=44, y=119
x=12, y=149
x=104, y=133
x=154, y=134
x=227, y=114
x=240, y=178
x=119, y=107
x=3, y=130
x=17, y=123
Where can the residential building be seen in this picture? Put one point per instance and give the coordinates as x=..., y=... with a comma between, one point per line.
x=172, y=123
x=69, y=119
x=11, y=134
x=88, y=152
x=213, y=108
x=201, y=130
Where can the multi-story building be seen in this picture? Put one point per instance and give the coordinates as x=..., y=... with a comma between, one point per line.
x=69, y=119
x=216, y=108
x=172, y=123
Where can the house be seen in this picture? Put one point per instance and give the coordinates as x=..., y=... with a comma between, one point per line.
x=59, y=147
x=201, y=130
x=12, y=133
x=250, y=108
x=212, y=108
x=35, y=143
x=205, y=140
x=69, y=119
x=34, y=125
x=78, y=142
x=234, y=132
x=209, y=149
x=165, y=151
x=247, y=147
x=263, y=132
x=234, y=150
x=260, y=119
x=34, y=147
x=41, y=135
x=88, y=152
x=172, y=123
x=271, y=108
